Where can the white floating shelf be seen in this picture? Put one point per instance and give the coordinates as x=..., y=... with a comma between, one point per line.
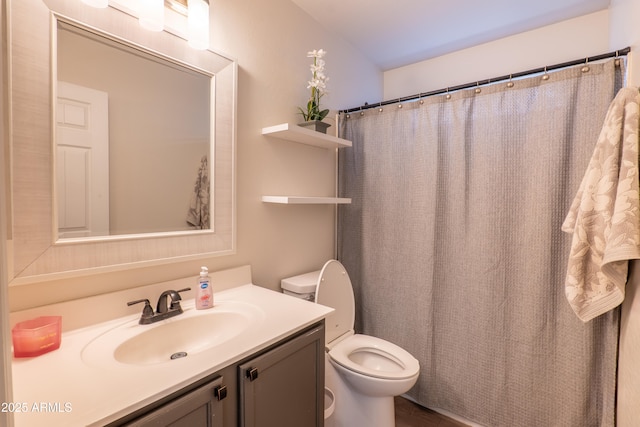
x=295, y=133
x=302, y=200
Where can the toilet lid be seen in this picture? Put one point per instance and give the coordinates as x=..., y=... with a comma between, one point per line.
x=334, y=290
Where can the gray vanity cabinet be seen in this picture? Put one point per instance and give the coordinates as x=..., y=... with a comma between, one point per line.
x=284, y=387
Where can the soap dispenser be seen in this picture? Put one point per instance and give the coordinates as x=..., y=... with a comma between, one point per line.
x=204, y=294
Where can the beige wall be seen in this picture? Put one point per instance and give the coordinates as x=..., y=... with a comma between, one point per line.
x=592, y=34
x=624, y=31
x=270, y=41
x=568, y=40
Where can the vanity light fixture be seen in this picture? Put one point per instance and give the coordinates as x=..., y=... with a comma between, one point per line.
x=151, y=14
x=197, y=13
x=198, y=24
x=151, y=17
x=97, y=3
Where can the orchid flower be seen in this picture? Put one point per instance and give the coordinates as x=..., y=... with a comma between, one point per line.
x=318, y=85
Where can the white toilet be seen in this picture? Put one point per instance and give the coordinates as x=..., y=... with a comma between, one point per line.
x=364, y=372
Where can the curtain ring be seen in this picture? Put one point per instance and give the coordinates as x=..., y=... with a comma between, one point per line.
x=420, y=100
x=448, y=96
x=380, y=109
x=361, y=112
x=478, y=90
x=545, y=76
x=617, y=60
x=585, y=68
x=510, y=84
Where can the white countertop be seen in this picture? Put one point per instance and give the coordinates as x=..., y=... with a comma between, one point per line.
x=60, y=389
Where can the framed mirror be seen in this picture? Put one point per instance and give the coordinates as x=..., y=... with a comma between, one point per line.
x=119, y=172
x=169, y=139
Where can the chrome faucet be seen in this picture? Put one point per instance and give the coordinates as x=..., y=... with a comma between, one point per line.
x=163, y=310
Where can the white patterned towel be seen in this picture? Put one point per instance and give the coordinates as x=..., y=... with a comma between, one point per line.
x=605, y=215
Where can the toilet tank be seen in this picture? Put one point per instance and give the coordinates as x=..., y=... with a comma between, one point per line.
x=301, y=286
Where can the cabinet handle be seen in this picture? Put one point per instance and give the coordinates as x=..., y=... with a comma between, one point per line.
x=220, y=392
x=252, y=374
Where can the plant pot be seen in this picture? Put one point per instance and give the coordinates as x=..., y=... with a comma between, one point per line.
x=316, y=125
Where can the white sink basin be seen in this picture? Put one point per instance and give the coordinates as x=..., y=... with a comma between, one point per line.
x=186, y=334
x=180, y=338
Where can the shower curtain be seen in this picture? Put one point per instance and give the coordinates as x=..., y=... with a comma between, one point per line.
x=454, y=247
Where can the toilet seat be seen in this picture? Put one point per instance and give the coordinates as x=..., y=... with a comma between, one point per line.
x=364, y=354
x=374, y=357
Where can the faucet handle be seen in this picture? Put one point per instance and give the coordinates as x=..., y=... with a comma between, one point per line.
x=175, y=299
x=147, y=311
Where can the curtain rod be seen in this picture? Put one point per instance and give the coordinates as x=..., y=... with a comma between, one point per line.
x=614, y=54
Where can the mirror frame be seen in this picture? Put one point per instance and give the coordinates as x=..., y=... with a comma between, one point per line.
x=34, y=253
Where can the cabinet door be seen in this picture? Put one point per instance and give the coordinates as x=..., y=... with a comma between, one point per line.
x=199, y=408
x=284, y=387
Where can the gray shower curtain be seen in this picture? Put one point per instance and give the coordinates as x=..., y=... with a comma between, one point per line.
x=454, y=247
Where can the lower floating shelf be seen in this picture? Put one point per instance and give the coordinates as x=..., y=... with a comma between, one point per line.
x=301, y=200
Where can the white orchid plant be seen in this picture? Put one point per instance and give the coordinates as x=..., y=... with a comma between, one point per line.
x=318, y=85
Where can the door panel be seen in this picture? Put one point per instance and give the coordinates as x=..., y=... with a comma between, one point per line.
x=82, y=161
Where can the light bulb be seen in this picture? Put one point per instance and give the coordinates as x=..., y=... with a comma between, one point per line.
x=198, y=24
x=151, y=15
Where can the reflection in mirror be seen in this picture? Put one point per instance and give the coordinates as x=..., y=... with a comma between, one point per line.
x=133, y=139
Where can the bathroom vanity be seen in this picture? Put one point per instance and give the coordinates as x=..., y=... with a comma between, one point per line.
x=281, y=386
x=260, y=362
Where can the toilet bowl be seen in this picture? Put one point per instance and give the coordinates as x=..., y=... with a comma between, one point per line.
x=365, y=372
x=375, y=367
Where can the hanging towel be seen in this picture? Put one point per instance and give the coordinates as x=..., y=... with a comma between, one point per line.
x=604, y=217
x=198, y=215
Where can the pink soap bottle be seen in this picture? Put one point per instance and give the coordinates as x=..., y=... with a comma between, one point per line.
x=204, y=294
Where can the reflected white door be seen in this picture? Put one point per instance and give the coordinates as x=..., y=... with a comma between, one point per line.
x=82, y=161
